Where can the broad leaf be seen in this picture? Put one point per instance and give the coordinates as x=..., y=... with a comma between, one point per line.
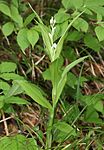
x=5, y=9
x=34, y=92
x=81, y=25
x=8, y=28
x=4, y=86
x=7, y=67
x=32, y=36
x=92, y=42
x=100, y=32
x=92, y=116
x=18, y=142
x=22, y=39
x=59, y=16
x=16, y=16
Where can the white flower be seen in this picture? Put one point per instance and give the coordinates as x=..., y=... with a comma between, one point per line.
x=54, y=46
x=52, y=21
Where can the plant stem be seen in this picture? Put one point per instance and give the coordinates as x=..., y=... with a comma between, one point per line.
x=49, y=130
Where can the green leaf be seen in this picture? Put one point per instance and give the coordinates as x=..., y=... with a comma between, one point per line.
x=15, y=3
x=14, y=90
x=18, y=142
x=100, y=33
x=71, y=80
x=74, y=36
x=99, y=106
x=5, y=9
x=15, y=100
x=47, y=40
x=4, y=86
x=61, y=16
x=81, y=25
x=22, y=39
x=1, y=101
x=72, y=3
x=97, y=9
x=92, y=116
x=92, y=42
x=70, y=54
x=61, y=41
x=33, y=91
x=29, y=19
x=16, y=16
x=8, y=28
x=11, y=76
x=32, y=36
x=70, y=66
x=89, y=3
x=7, y=67
x=65, y=127
x=60, y=82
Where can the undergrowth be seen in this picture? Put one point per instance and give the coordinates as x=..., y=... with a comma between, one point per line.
x=51, y=75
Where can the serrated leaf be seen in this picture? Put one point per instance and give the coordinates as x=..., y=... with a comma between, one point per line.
x=8, y=28
x=15, y=100
x=33, y=91
x=92, y=42
x=32, y=36
x=22, y=39
x=100, y=33
x=5, y=9
x=7, y=67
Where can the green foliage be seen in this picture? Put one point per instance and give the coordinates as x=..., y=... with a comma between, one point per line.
x=77, y=26
x=9, y=93
x=18, y=142
x=8, y=28
x=34, y=92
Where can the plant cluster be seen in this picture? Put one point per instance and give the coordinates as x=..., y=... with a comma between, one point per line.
x=53, y=65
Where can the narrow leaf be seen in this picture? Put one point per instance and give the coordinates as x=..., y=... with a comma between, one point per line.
x=15, y=100
x=60, y=43
x=34, y=92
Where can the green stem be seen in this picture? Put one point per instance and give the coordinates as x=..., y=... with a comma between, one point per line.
x=49, y=130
